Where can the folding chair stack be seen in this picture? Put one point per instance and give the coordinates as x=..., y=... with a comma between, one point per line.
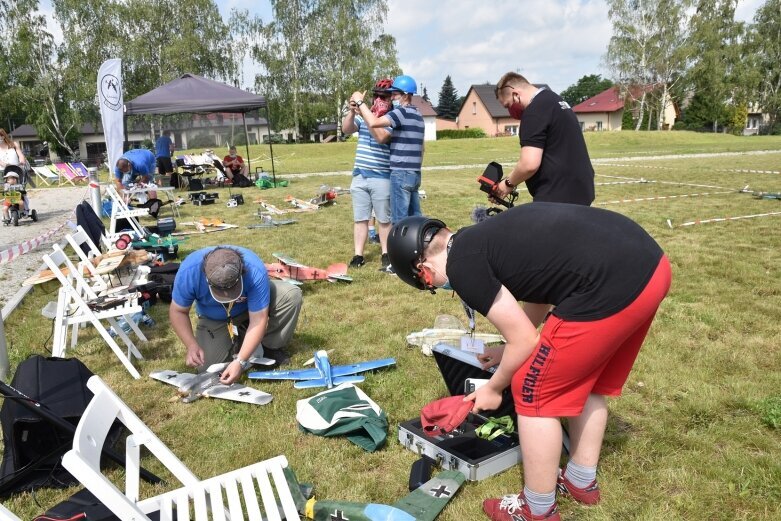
x=255, y=492
x=68, y=174
x=79, y=303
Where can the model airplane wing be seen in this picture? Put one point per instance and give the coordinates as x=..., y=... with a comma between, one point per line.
x=344, y=370
x=174, y=378
x=423, y=504
x=296, y=374
x=287, y=260
x=238, y=393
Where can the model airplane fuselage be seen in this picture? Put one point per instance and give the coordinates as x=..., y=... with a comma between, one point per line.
x=290, y=270
x=324, y=374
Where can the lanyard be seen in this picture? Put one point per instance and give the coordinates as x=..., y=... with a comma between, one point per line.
x=230, y=320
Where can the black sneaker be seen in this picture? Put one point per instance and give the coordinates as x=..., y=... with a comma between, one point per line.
x=280, y=356
x=384, y=262
x=357, y=261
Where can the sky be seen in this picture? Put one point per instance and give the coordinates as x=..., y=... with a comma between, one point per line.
x=549, y=41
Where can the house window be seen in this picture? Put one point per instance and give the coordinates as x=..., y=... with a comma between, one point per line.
x=511, y=130
x=474, y=107
x=753, y=122
x=582, y=126
x=599, y=125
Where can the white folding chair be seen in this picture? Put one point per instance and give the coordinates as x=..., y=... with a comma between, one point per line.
x=77, y=241
x=7, y=515
x=230, y=496
x=73, y=309
x=120, y=210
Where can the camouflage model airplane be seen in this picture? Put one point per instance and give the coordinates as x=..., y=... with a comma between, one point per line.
x=191, y=386
x=424, y=503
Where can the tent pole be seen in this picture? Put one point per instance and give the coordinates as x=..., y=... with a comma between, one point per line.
x=125, y=142
x=270, y=146
x=246, y=139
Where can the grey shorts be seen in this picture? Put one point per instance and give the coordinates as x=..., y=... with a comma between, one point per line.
x=371, y=193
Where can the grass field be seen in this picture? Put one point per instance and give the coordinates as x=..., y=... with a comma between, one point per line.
x=695, y=435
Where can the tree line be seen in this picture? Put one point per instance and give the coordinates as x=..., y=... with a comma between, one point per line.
x=311, y=55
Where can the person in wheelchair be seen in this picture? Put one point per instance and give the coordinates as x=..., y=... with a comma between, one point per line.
x=13, y=177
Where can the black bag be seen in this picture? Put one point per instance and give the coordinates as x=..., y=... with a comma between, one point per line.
x=163, y=276
x=241, y=181
x=59, y=384
x=195, y=185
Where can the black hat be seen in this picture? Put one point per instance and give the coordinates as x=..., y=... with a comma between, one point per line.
x=406, y=242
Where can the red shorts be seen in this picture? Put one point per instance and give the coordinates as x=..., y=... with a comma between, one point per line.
x=575, y=359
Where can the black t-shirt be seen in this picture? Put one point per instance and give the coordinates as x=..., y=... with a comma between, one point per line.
x=565, y=174
x=588, y=262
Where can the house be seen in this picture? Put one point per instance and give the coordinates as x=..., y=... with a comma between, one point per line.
x=755, y=119
x=481, y=109
x=605, y=111
x=429, y=117
x=602, y=112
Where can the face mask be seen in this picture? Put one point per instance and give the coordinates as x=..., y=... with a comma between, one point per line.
x=446, y=286
x=380, y=107
x=233, y=156
x=515, y=110
x=396, y=103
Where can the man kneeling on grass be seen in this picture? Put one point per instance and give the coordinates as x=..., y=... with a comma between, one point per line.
x=240, y=311
x=606, y=278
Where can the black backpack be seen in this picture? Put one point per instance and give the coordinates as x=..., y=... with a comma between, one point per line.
x=241, y=181
x=33, y=446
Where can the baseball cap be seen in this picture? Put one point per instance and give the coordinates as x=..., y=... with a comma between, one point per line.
x=445, y=415
x=223, y=268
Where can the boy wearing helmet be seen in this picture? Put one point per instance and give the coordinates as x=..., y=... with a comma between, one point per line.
x=370, y=187
x=406, y=145
x=606, y=278
x=11, y=179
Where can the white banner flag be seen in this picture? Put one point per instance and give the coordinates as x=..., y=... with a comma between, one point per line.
x=112, y=109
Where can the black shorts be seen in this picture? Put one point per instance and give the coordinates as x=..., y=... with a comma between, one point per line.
x=164, y=165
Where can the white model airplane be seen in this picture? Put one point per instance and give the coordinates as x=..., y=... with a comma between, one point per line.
x=324, y=374
x=194, y=386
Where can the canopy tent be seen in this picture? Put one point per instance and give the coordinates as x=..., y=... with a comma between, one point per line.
x=193, y=93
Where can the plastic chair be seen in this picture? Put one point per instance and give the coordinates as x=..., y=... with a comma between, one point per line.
x=7, y=515
x=233, y=495
x=73, y=309
x=120, y=210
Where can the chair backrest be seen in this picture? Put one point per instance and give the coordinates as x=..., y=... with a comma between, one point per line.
x=7, y=515
x=80, y=241
x=239, y=486
x=65, y=170
x=45, y=172
x=79, y=169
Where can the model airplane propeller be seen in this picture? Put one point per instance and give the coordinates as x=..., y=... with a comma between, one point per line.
x=191, y=386
x=324, y=374
x=292, y=271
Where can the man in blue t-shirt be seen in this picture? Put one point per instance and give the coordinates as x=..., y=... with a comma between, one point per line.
x=164, y=147
x=370, y=187
x=136, y=165
x=237, y=308
x=406, y=146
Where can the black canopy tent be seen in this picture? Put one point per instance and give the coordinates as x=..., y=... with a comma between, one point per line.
x=193, y=93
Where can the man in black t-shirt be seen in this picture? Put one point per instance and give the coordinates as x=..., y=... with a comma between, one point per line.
x=554, y=161
x=606, y=278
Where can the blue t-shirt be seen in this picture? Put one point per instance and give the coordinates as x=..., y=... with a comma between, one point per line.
x=142, y=162
x=406, y=144
x=163, y=146
x=190, y=286
x=372, y=159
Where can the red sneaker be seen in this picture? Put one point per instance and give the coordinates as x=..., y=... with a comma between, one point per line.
x=513, y=507
x=587, y=496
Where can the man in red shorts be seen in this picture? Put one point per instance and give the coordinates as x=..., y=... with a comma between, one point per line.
x=606, y=278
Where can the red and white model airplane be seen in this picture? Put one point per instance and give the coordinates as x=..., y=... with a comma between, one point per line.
x=292, y=271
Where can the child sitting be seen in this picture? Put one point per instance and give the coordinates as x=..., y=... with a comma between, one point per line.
x=11, y=178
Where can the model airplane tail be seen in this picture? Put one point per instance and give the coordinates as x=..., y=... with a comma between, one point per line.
x=423, y=504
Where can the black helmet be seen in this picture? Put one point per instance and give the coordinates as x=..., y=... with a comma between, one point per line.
x=406, y=241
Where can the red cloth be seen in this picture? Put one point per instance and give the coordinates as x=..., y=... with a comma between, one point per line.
x=445, y=415
x=234, y=163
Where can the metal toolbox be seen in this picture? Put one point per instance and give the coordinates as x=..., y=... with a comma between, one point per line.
x=474, y=457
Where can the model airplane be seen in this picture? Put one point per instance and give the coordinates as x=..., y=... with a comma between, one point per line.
x=191, y=386
x=300, y=204
x=448, y=330
x=270, y=208
x=292, y=271
x=327, y=195
x=424, y=503
x=324, y=374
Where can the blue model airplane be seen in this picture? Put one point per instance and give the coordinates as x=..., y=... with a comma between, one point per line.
x=324, y=374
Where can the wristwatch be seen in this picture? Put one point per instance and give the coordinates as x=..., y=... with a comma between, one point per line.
x=359, y=103
x=243, y=363
x=509, y=184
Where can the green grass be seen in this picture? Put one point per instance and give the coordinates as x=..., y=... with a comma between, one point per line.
x=695, y=435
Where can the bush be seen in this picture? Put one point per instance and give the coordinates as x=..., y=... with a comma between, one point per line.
x=202, y=140
x=148, y=144
x=467, y=133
